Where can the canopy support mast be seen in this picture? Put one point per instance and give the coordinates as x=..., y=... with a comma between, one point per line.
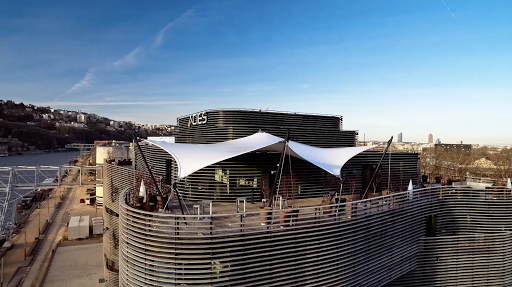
x=281, y=162
x=146, y=162
x=377, y=169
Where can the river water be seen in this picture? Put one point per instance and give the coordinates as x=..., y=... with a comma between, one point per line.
x=43, y=159
x=48, y=159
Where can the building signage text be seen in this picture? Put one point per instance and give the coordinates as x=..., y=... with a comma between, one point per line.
x=197, y=119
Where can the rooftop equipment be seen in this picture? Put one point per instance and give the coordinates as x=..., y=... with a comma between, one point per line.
x=78, y=227
x=97, y=225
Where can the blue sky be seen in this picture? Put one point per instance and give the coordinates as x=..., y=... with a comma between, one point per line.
x=415, y=67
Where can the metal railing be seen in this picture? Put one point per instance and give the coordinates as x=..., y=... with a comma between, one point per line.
x=16, y=182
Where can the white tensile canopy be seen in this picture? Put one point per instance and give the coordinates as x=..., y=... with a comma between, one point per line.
x=192, y=157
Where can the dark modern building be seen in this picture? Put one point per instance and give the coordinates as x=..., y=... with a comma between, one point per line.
x=221, y=238
x=246, y=175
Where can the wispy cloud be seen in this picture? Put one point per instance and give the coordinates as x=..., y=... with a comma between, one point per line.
x=51, y=104
x=452, y=14
x=85, y=82
x=160, y=35
x=130, y=59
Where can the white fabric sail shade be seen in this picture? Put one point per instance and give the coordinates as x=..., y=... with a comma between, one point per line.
x=328, y=159
x=192, y=157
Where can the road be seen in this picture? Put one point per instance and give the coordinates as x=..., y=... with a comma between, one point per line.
x=38, y=267
x=14, y=257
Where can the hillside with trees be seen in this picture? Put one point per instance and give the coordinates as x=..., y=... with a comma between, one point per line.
x=27, y=127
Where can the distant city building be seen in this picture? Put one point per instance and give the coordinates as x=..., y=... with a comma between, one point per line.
x=76, y=125
x=114, y=124
x=430, y=138
x=438, y=141
x=400, y=137
x=459, y=142
x=81, y=118
x=449, y=148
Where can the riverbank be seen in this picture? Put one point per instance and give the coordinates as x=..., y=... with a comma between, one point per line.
x=34, y=152
x=40, y=159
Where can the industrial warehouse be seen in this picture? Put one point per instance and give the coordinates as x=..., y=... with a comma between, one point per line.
x=263, y=198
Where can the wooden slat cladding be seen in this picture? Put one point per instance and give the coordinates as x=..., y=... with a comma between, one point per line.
x=224, y=125
x=403, y=166
x=370, y=242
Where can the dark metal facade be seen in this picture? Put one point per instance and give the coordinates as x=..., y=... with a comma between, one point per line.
x=244, y=176
x=224, y=125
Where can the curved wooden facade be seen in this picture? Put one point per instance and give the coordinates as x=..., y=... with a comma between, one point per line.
x=374, y=242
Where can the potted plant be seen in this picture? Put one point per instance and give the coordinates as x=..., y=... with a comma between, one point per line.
x=350, y=181
x=327, y=200
x=265, y=209
x=288, y=189
x=284, y=216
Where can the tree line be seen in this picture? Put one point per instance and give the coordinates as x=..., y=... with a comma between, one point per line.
x=457, y=165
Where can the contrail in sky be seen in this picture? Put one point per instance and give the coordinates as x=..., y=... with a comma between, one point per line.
x=453, y=15
x=130, y=59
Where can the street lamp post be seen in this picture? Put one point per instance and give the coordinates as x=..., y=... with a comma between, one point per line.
x=25, y=247
x=2, y=274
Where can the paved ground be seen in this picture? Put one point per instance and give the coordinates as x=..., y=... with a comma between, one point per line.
x=14, y=257
x=56, y=233
x=77, y=266
x=36, y=271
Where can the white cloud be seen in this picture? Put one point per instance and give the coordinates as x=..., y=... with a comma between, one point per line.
x=110, y=103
